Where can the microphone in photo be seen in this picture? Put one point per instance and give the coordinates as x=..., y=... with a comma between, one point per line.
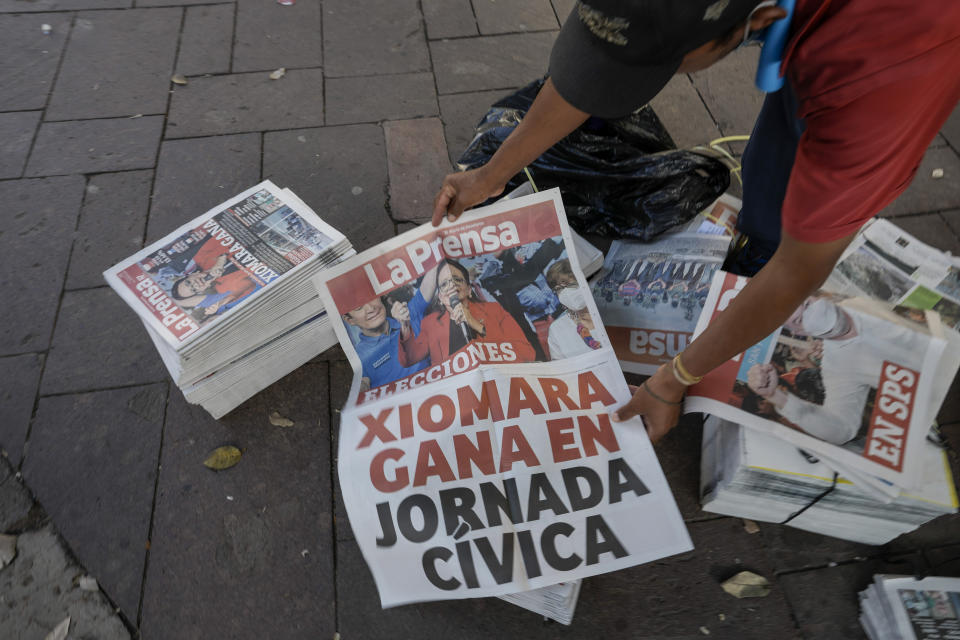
x=454, y=301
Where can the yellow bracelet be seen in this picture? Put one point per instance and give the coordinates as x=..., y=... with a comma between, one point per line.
x=683, y=376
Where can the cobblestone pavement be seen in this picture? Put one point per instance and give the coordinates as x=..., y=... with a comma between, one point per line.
x=100, y=153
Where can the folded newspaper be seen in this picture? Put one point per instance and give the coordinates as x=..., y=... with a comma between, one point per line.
x=750, y=474
x=477, y=456
x=846, y=378
x=228, y=299
x=909, y=608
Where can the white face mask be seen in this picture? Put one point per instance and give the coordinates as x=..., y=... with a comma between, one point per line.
x=572, y=298
x=820, y=318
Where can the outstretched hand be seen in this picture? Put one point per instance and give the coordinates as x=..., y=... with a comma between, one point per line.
x=459, y=192
x=658, y=416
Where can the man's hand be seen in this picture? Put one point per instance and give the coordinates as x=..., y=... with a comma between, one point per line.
x=658, y=416
x=763, y=379
x=460, y=191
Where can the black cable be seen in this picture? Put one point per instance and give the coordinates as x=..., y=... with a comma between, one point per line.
x=820, y=497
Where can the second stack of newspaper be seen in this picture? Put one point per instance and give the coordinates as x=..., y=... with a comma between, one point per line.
x=228, y=298
x=911, y=608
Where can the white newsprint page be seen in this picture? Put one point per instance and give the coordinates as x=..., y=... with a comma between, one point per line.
x=845, y=378
x=477, y=456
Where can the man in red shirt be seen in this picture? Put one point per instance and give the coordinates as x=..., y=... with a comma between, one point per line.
x=868, y=85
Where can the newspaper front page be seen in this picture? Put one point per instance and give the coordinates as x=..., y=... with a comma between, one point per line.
x=477, y=456
x=844, y=378
x=906, y=607
x=194, y=278
x=650, y=295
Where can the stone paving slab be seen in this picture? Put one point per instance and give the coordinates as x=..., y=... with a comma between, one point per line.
x=93, y=146
x=669, y=598
x=679, y=457
x=20, y=379
x=105, y=515
x=926, y=193
x=416, y=164
x=944, y=561
x=728, y=91
x=38, y=214
x=40, y=588
x=792, y=549
x=118, y=63
x=361, y=99
x=206, y=40
x=341, y=172
x=563, y=8
x=16, y=134
x=25, y=6
x=491, y=62
x=99, y=342
x=683, y=113
x=28, y=58
x=241, y=103
x=952, y=218
x=15, y=500
x=511, y=16
x=449, y=18
x=951, y=130
x=460, y=113
x=269, y=35
x=824, y=601
x=375, y=37
x=197, y=174
x=112, y=222
x=341, y=377
x=246, y=552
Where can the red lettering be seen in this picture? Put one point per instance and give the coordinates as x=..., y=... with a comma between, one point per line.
x=591, y=390
x=376, y=428
x=379, y=478
x=602, y=432
x=447, y=413
x=555, y=391
x=469, y=454
x=561, y=435
x=515, y=448
x=431, y=462
x=522, y=397
x=482, y=407
x=406, y=421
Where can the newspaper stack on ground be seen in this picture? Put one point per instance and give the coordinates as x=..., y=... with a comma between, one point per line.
x=650, y=293
x=477, y=456
x=845, y=379
x=228, y=298
x=909, y=608
x=750, y=474
x=557, y=602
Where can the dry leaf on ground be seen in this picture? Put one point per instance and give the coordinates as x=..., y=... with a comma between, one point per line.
x=279, y=73
x=747, y=584
x=223, y=458
x=178, y=79
x=60, y=631
x=278, y=420
x=8, y=549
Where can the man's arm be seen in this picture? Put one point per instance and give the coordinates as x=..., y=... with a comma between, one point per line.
x=795, y=271
x=549, y=120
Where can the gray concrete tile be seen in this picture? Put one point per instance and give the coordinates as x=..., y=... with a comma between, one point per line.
x=944, y=561
x=824, y=601
x=449, y=19
x=246, y=552
x=377, y=37
x=206, y=40
x=167, y=3
x=491, y=62
x=942, y=531
x=93, y=146
x=460, y=114
x=40, y=590
x=668, y=598
x=38, y=213
x=15, y=500
x=926, y=193
x=19, y=6
x=92, y=464
x=118, y=63
x=197, y=174
x=683, y=113
x=21, y=379
x=952, y=218
x=98, y=343
x=950, y=410
x=29, y=59
x=416, y=163
x=341, y=377
x=16, y=134
x=951, y=129
x=245, y=102
x=112, y=221
x=679, y=456
x=563, y=8
x=511, y=16
x=792, y=549
x=269, y=35
x=372, y=99
x=341, y=172
x=727, y=89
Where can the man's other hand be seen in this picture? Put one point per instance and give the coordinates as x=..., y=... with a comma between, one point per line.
x=658, y=415
x=461, y=191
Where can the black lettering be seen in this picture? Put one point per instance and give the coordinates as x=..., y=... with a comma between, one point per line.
x=430, y=558
x=502, y=570
x=389, y=537
x=529, y=554
x=571, y=481
x=549, y=547
x=631, y=482
x=507, y=502
x=466, y=565
x=543, y=497
x=430, y=518
x=600, y=540
x=458, y=503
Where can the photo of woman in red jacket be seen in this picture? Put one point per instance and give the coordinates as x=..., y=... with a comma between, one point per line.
x=461, y=318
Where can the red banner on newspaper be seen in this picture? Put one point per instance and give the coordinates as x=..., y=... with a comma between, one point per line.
x=395, y=268
x=890, y=420
x=647, y=346
x=719, y=382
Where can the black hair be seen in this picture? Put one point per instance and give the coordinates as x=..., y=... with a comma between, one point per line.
x=459, y=267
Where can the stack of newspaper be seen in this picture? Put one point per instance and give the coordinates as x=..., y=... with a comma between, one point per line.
x=557, y=602
x=228, y=298
x=751, y=474
x=908, y=608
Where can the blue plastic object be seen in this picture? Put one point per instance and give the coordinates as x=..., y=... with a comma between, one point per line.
x=771, y=55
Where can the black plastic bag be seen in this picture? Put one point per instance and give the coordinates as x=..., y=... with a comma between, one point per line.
x=620, y=178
